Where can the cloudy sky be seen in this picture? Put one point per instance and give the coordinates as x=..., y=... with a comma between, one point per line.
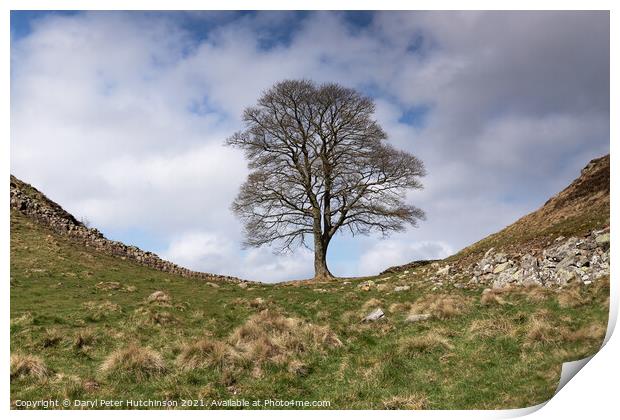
x=120, y=118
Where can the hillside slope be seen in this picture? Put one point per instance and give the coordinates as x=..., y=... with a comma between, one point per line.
x=87, y=324
x=29, y=201
x=577, y=210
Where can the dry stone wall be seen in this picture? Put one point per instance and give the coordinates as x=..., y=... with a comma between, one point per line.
x=29, y=201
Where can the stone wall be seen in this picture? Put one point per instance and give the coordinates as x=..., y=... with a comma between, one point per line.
x=29, y=201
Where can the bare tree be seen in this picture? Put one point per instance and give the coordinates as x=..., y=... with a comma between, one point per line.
x=318, y=163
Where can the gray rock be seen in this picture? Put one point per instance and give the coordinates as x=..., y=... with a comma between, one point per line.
x=417, y=317
x=443, y=271
x=501, y=267
x=401, y=288
x=602, y=240
x=368, y=283
x=375, y=315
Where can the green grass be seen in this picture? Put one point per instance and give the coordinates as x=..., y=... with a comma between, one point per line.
x=55, y=296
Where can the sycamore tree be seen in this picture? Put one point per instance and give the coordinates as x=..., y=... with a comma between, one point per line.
x=319, y=163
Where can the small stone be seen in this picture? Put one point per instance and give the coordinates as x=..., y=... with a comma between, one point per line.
x=401, y=288
x=375, y=315
x=417, y=317
x=366, y=285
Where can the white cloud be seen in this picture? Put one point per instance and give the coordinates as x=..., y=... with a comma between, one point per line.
x=120, y=117
x=391, y=252
x=218, y=254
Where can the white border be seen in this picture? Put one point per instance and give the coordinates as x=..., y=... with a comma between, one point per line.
x=592, y=394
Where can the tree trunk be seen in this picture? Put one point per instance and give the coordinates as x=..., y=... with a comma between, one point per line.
x=320, y=258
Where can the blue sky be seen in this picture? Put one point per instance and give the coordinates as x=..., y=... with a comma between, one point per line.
x=120, y=117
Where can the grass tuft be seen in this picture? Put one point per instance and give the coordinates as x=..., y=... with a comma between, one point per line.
x=409, y=402
x=134, y=362
x=28, y=366
x=203, y=353
x=428, y=343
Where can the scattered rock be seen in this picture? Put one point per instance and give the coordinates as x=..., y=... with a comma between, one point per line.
x=501, y=267
x=563, y=261
x=367, y=285
x=603, y=240
x=375, y=315
x=417, y=317
x=443, y=271
x=401, y=288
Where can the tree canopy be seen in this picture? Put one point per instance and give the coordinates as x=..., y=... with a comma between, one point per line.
x=319, y=163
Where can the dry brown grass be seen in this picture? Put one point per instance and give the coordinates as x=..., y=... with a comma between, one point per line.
x=570, y=297
x=349, y=317
x=99, y=310
x=593, y=332
x=371, y=304
x=539, y=329
x=28, y=366
x=601, y=286
x=492, y=297
x=399, y=307
x=148, y=316
x=51, y=338
x=298, y=368
x=84, y=339
x=133, y=361
x=441, y=306
x=535, y=293
x=428, y=343
x=492, y=327
x=269, y=336
x=408, y=402
x=205, y=352
x=108, y=285
x=158, y=297
x=22, y=320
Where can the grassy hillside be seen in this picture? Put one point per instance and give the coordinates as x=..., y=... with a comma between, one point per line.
x=82, y=327
x=581, y=207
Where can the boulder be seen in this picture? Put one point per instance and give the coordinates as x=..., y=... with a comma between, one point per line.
x=401, y=288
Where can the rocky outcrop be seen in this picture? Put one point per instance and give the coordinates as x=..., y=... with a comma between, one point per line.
x=32, y=203
x=567, y=260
